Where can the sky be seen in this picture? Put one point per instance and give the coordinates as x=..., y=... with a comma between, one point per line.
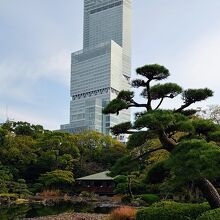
x=38, y=36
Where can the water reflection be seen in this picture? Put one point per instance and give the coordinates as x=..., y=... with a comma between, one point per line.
x=15, y=212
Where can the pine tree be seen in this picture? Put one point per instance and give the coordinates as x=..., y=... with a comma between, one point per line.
x=166, y=124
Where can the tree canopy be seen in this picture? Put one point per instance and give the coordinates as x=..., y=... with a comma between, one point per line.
x=191, y=142
x=32, y=158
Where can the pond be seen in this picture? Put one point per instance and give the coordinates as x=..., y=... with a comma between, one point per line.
x=15, y=212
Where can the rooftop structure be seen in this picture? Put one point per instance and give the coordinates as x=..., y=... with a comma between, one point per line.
x=98, y=176
x=99, y=183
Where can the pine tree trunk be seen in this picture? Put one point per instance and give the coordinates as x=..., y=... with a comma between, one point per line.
x=204, y=185
x=129, y=187
x=167, y=143
x=209, y=192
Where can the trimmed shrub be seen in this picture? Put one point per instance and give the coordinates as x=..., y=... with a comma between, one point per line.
x=149, y=198
x=126, y=199
x=123, y=213
x=10, y=195
x=159, y=213
x=188, y=209
x=87, y=194
x=210, y=215
x=169, y=210
x=50, y=193
x=138, y=202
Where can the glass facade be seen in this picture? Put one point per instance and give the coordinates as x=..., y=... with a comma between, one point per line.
x=102, y=68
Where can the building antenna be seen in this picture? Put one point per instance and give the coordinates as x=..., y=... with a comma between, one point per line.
x=7, y=119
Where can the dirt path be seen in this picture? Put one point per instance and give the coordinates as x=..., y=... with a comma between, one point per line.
x=73, y=216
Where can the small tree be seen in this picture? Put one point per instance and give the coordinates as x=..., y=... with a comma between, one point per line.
x=57, y=179
x=195, y=161
x=212, y=113
x=20, y=187
x=5, y=178
x=167, y=124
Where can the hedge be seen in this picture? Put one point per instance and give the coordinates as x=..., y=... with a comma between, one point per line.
x=149, y=198
x=153, y=213
x=210, y=215
x=172, y=211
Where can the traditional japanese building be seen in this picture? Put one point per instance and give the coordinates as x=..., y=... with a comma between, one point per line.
x=99, y=183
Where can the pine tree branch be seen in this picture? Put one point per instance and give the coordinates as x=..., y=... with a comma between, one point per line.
x=147, y=152
x=159, y=103
x=182, y=107
x=148, y=95
x=135, y=104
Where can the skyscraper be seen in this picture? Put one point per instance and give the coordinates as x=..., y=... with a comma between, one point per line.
x=102, y=68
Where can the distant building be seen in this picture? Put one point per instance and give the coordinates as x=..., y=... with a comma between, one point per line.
x=99, y=183
x=123, y=138
x=102, y=68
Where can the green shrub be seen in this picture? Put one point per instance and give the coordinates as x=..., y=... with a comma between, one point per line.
x=210, y=215
x=169, y=210
x=189, y=209
x=85, y=194
x=159, y=213
x=126, y=199
x=88, y=195
x=149, y=198
x=11, y=195
x=138, y=202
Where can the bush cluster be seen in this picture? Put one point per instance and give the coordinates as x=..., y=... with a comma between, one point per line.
x=123, y=213
x=172, y=211
x=149, y=198
x=210, y=215
x=126, y=199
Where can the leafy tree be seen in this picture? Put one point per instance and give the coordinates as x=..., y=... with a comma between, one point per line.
x=17, y=153
x=129, y=184
x=212, y=113
x=20, y=187
x=172, y=126
x=5, y=178
x=23, y=128
x=124, y=166
x=9, y=185
x=97, y=149
x=56, y=179
x=54, y=151
x=28, y=152
x=3, y=133
x=122, y=185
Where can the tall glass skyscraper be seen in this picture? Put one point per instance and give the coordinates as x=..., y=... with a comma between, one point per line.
x=102, y=68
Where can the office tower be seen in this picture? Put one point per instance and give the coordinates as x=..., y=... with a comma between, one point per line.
x=102, y=68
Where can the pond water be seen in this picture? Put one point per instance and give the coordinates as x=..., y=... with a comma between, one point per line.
x=15, y=212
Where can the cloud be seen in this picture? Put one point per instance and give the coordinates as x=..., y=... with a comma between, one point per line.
x=33, y=48
x=196, y=66
x=201, y=64
x=35, y=60
x=29, y=116
x=16, y=79
x=19, y=76
x=57, y=67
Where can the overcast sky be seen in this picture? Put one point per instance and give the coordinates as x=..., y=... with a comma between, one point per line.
x=38, y=36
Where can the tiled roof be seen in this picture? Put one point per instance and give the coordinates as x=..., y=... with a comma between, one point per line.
x=97, y=176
